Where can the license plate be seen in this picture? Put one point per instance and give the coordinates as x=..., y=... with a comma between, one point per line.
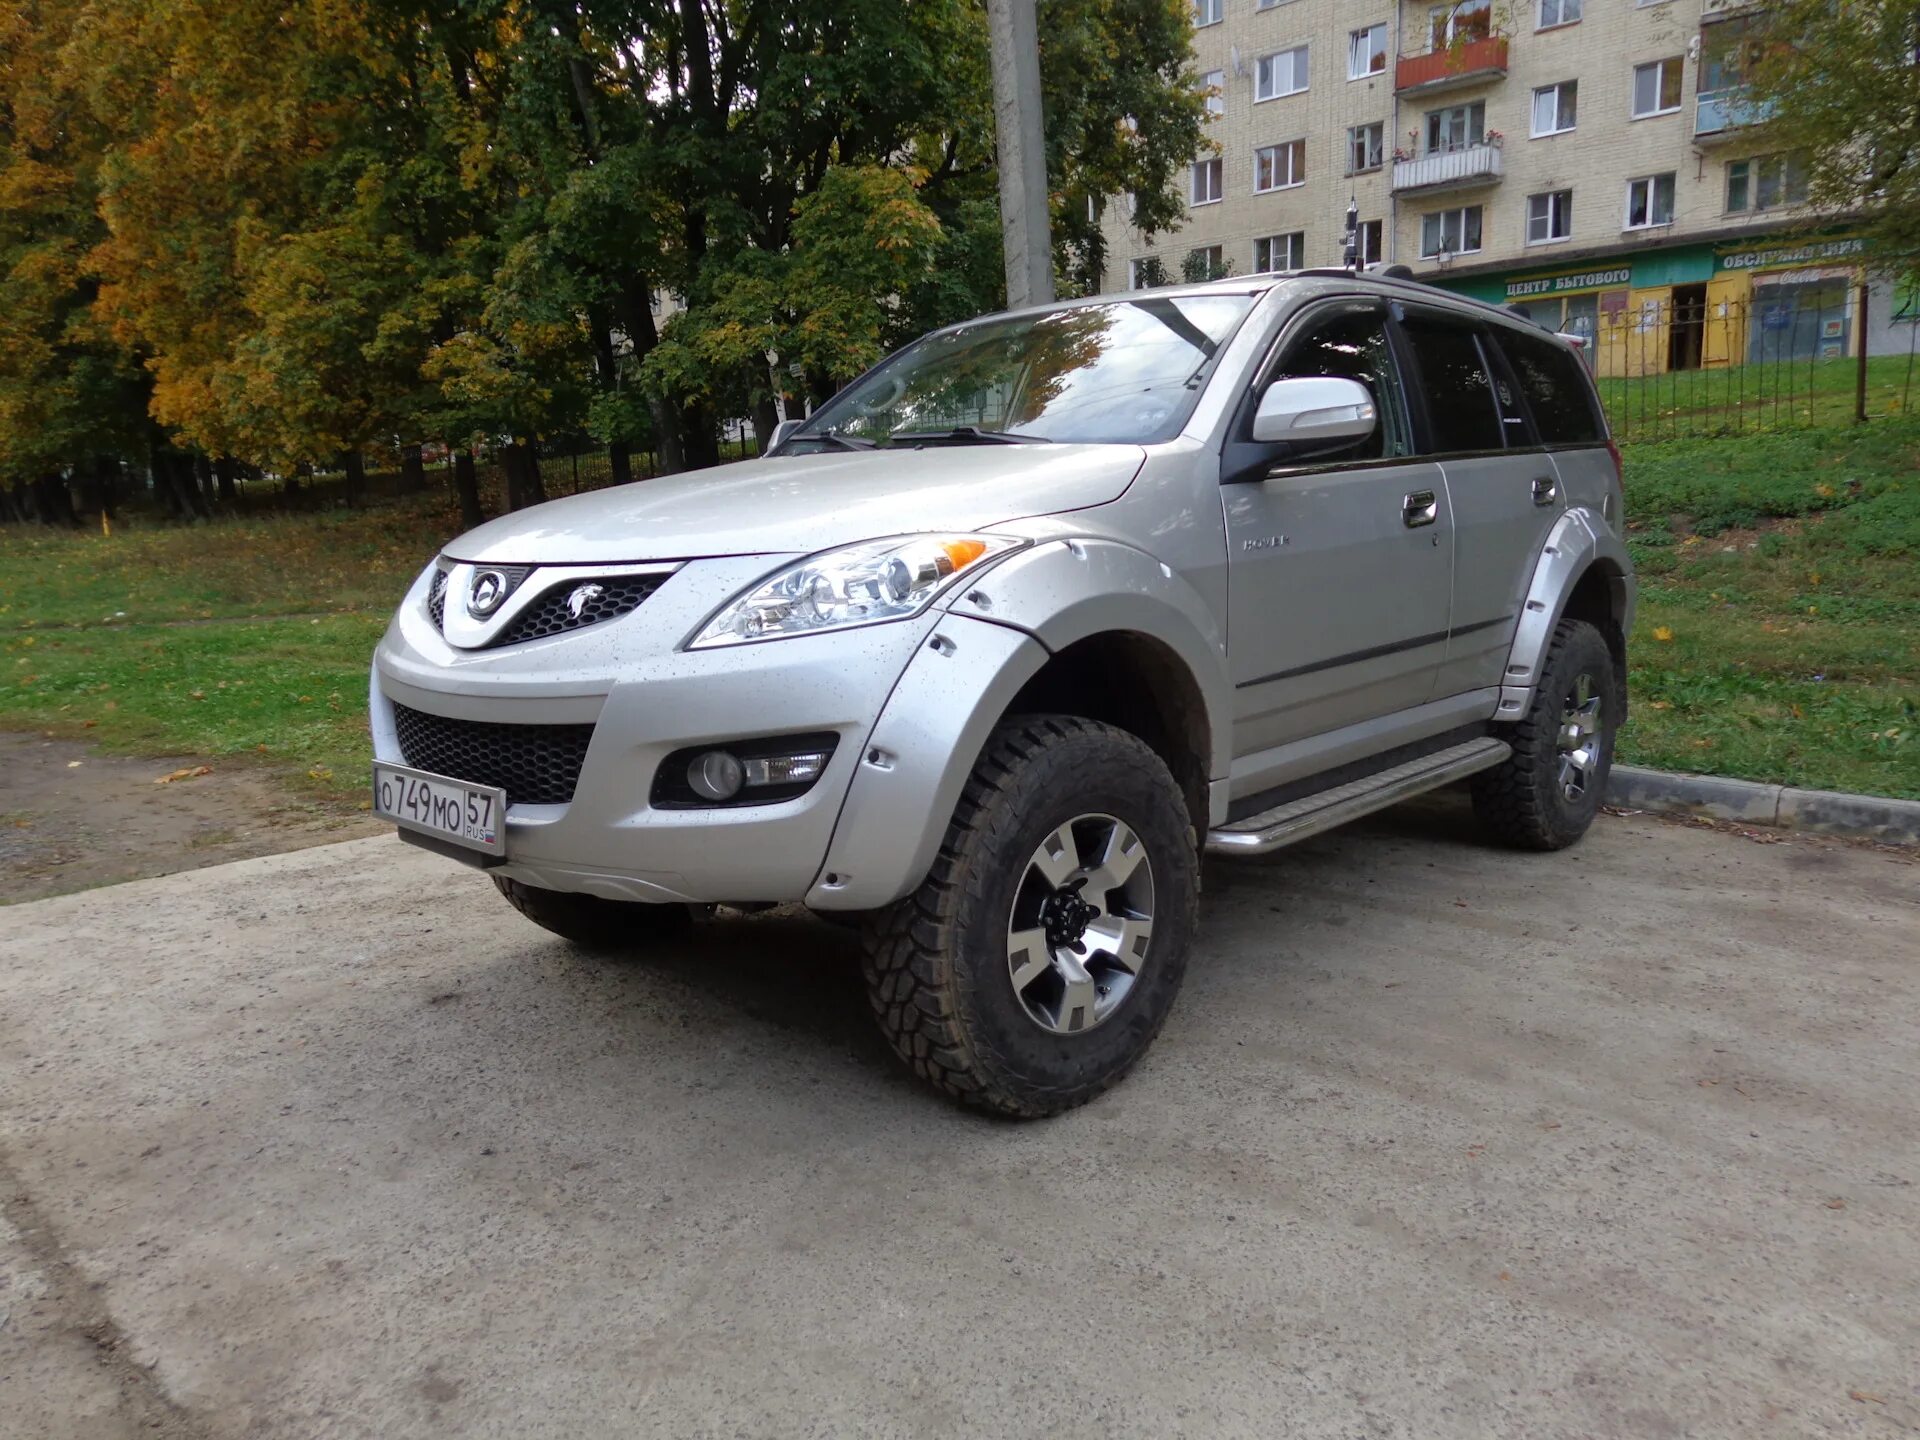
x=471, y=815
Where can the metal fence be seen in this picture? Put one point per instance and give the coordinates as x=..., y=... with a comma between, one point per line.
x=1785, y=355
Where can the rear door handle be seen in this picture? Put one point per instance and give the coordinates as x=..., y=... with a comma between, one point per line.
x=1545, y=491
x=1420, y=508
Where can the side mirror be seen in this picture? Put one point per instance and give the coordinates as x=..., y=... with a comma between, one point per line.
x=781, y=432
x=1315, y=410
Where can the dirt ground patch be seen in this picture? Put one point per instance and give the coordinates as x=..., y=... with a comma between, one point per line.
x=71, y=818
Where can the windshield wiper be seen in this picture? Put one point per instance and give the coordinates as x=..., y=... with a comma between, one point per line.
x=830, y=436
x=964, y=435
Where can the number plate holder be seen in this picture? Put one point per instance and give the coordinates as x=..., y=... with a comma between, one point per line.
x=455, y=812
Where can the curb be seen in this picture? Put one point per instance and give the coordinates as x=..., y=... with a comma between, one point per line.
x=1816, y=812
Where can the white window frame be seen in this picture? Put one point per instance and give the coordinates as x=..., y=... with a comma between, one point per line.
x=1558, y=90
x=1295, y=169
x=1658, y=67
x=1212, y=168
x=1216, y=257
x=1558, y=208
x=1133, y=271
x=1443, y=21
x=1208, y=12
x=1652, y=182
x=1294, y=245
x=1364, y=36
x=1468, y=111
x=1266, y=70
x=1459, y=211
x=1376, y=151
x=1559, y=9
x=1215, y=82
x=1369, y=254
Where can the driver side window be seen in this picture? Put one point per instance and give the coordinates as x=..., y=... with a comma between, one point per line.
x=1352, y=345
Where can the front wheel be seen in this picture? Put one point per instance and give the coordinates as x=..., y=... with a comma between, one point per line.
x=1037, y=961
x=1545, y=795
x=594, y=923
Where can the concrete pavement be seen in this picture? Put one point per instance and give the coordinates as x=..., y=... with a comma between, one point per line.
x=1440, y=1141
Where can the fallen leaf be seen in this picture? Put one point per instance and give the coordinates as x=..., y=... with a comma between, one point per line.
x=89, y=724
x=1836, y=1203
x=198, y=695
x=1866, y=1397
x=1663, y=634
x=73, y=764
x=191, y=772
x=1555, y=1125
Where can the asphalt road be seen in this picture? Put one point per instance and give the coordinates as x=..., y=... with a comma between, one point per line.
x=1440, y=1141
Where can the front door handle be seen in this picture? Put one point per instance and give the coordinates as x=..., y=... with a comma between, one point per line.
x=1420, y=508
x=1545, y=491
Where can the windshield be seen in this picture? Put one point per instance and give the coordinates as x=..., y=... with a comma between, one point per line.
x=1127, y=372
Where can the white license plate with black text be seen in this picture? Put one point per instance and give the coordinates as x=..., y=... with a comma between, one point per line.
x=471, y=815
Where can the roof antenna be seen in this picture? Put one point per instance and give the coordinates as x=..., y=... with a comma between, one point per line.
x=1353, y=234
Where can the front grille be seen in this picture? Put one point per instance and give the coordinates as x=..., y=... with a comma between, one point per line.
x=553, y=612
x=437, y=600
x=534, y=764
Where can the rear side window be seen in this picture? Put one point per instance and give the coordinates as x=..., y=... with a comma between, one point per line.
x=1555, y=384
x=1458, y=390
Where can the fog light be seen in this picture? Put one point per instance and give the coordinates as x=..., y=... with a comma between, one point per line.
x=716, y=775
x=785, y=770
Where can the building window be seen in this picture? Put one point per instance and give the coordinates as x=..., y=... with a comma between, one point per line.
x=1765, y=182
x=1367, y=51
x=1558, y=12
x=1278, y=167
x=1549, y=216
x=1456, y=127
x=1370, y=242
x=1366, y=147
x=1206, y=182
x=1146, y=273
x=1650, y=201
x=1656, y=87
x=1555, y=108
x=1451, y=232
x=1459, y=23
x=1281, y=74
x=1280, y=252
x=1208, y=12
x=1204, y=263
x=1213, y=85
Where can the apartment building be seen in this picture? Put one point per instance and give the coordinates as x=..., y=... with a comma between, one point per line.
x=1590, y=161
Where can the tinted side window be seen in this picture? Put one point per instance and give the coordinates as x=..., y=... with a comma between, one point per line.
x=1555, y=385
x=1353, y=345
x=1458, y=390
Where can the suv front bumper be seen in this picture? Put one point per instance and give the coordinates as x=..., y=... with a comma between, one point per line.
x=645, y=698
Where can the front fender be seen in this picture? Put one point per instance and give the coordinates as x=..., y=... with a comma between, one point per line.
x=1067, y=591
x=917, y=759
x=1580, y=539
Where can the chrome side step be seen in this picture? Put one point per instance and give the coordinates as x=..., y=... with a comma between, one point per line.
x=1298, y=819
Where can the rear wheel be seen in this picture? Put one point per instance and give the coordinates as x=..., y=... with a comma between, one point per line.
x=1545, y=795
x=594, y=923
x=1037, y=961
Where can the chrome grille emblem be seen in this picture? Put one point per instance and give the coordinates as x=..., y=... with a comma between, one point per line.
x=581, y=597
x=489, y=589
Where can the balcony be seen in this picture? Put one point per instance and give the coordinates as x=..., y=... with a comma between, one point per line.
x=1452, y=67
x=1720, y=115
x=1460, y=169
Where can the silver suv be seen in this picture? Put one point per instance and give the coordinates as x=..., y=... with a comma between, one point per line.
x=989, y=649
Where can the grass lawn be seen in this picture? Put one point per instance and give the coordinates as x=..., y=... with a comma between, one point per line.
x=1778, y=638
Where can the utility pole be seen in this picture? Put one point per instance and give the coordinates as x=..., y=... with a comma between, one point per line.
x=1020, y=141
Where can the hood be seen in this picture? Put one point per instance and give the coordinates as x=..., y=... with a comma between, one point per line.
x=802, y=503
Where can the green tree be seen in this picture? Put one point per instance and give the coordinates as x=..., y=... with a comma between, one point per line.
x=1841, y=85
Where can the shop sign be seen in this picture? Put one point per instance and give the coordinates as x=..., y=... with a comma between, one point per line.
x=1560, y=284
x=1792, y=254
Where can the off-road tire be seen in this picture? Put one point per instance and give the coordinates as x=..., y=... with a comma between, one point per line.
x=936, y=962
x=594, y=923
x=1521, y=800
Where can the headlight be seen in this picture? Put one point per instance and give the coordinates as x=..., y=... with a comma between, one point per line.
x=860, y=584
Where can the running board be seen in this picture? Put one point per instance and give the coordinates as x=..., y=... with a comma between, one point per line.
x=1298, y=819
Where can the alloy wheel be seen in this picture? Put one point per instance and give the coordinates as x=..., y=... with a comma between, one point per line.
x=1082, y=919
x=1580, y=739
